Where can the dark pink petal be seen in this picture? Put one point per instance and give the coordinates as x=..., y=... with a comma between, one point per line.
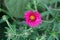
x=34, y=23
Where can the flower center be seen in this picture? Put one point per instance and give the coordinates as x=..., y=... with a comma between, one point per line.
x=32, y=17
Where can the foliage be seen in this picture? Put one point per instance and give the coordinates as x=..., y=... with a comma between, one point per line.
x=18, y=30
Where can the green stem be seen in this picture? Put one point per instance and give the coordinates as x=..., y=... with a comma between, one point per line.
x=43, y=37
x=3, y=10
x=56, y=9
x=56, y=4
x=9, y=15
x=5, y=19
x=8, y=23
x=35, y=4
x=29, y=6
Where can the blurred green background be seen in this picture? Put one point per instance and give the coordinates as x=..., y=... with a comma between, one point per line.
x=14, y=9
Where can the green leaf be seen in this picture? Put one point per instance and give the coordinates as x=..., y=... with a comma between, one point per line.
x=56, y=26
x=44, y=13
x=54, y=1
x=16, y=8
x=44, y=25
x=50, y=38
x=43, y=1
x=11, y=32
x=43, y=37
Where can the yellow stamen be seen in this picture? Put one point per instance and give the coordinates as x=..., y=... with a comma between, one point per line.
x=32, y=17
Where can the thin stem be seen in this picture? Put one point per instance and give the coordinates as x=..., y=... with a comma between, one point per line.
x=56, y=4
x=49, y=9
x=9, y=15
x=35, y=4
x=8, y=24
x=43, y=37
x=49, y=21
x=5, y=19
x=23, y=32
x=3, y=10
x=55, y=17
x=56, y=9
x=29, y=6
x=47, y=16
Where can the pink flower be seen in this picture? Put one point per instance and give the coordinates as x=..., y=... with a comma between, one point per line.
x=32, y=18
